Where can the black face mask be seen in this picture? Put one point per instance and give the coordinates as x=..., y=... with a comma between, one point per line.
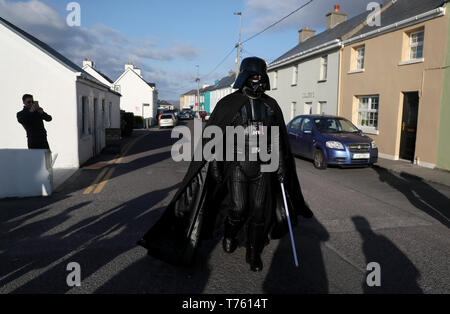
x=254, y=88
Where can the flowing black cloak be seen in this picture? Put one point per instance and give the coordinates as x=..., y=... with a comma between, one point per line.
x=199, y=207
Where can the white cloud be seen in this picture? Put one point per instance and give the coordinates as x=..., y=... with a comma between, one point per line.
x=108, y=47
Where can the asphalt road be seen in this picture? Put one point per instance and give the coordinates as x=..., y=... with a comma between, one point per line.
x=362, y=216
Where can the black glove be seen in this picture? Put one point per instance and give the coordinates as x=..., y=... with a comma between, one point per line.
x=216, y=172
x=281, y=173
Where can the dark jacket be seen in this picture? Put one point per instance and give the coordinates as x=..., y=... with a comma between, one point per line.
x=33, y=123
x=199, y=207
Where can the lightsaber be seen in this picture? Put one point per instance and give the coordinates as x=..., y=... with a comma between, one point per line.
x=290, y=225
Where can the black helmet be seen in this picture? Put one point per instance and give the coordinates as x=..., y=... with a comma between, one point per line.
x=249, y=67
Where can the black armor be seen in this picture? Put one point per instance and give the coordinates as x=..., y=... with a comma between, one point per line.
x=249, y=187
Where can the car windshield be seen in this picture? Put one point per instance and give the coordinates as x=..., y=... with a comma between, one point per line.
x=335, y=125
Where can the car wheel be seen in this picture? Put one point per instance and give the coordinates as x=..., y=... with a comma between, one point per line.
x=319, y=160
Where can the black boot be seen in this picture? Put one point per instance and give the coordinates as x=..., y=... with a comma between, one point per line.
x=231, y=230
x=255, y=246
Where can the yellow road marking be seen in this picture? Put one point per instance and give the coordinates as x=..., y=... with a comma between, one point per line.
x=117, y=160
x=97, y=180
x=105, y=180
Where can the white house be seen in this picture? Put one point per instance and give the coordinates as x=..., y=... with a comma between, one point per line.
x=138, y=96
x=223, y=88
x=78, y=103
x=112, y=108
x=305, y=80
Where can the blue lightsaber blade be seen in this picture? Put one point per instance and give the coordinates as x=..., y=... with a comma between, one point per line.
x=290, y=225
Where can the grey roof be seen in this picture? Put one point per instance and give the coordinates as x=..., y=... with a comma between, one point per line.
x=402, y=10
x=104, y=76
x=225, y=82
x=191, y=92
x=51, y=52
x=326, y=36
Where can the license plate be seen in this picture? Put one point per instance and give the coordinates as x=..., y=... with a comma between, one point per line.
x=361, y=156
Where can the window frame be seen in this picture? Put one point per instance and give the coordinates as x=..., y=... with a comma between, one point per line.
x=416, y=44
x=358, y=57
x=294, y=75
x=323, y=68
x=369, y=110
x=275, y=79
x=85, y=117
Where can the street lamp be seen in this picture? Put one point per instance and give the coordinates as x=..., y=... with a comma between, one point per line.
x=239, y=44
x=198, y=87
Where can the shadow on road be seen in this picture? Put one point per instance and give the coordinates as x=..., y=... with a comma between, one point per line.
x=311, y=277
x=420, y=194
x=398, y=273
x=93, y=243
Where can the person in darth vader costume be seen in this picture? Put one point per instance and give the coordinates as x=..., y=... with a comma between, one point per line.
x=234, y=198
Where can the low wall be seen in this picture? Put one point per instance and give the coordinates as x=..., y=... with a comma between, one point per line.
x=25, y=173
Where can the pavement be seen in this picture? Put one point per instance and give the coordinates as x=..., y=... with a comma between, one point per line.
x=429, y=175
x=362, y=215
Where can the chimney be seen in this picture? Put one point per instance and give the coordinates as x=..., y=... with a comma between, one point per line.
x=335, y=18
x=138, y=71
x=88, y=62
x=305, y=34
x=231, y=73
x=129, y=65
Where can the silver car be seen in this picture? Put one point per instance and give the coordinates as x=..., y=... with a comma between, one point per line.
x=167, y=120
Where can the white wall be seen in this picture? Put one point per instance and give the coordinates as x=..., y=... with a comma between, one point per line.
x=25, y=173
x=217, y=95
x=136, y=92
x=92, y=92
x=25, y=69
x=308, y=88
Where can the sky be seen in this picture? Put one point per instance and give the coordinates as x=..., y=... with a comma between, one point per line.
x=167, y=39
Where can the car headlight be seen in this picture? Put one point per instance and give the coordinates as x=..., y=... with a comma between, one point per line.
x=335, y=145
x=374, y=145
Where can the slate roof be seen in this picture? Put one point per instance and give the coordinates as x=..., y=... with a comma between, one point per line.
x=50, y=51
x=398, y=11
x=225, y=82
x=402, y=10
x=325, y=37
x=104, y=76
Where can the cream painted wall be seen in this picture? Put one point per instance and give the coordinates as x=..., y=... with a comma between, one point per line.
x=27, y=69
x=384, y=76
x=308, y=88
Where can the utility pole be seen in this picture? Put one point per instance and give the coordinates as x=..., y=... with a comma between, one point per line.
x=239, y=44
x=198, y=86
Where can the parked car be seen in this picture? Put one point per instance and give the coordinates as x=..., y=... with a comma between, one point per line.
x=184, y=115
x=329, y=140
x=167, y=120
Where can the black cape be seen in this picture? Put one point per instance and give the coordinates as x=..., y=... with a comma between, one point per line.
x=200, y=206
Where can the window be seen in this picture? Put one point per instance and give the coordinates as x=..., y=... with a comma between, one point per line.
x=275, y=80
x=296, y=124
x=368, y=112
x=293, y=107
x=359, y=55
x=323, y=68
x=110, y=114
x=104, y=114
x=306, y=125
x=294, y=75
x=308, y=108
x=85, y=125
x=322, y=107
x=416, y=45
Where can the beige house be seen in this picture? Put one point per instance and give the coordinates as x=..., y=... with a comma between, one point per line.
x=391, y=79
